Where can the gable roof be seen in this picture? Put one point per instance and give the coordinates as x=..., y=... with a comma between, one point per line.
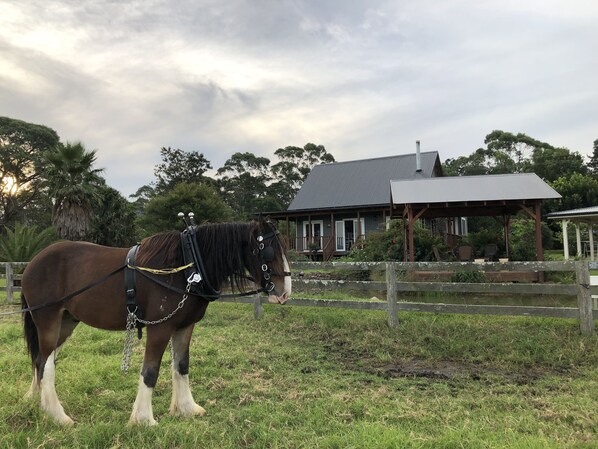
x=460, y=189
x=362, y=183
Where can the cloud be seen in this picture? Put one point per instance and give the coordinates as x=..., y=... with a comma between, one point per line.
x=364, y=78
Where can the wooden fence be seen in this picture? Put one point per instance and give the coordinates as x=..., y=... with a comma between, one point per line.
x=393, y=288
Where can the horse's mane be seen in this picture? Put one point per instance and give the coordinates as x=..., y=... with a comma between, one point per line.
x=223, y=248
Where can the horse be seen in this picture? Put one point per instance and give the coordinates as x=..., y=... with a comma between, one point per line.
x=233, y=255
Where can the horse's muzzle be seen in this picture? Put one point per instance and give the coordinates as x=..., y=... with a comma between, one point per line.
x=273, y=299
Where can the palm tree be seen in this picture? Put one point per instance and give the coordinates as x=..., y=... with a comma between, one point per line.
x=73, y=183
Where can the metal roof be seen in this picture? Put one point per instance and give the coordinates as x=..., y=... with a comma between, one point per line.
x=358, y=183
x=520, y=186
x=585, y=212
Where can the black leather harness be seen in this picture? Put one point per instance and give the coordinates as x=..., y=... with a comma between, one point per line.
x=131, y=302
x=195, y=275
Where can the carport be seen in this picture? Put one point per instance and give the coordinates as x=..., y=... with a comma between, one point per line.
x=467, y=196
x=586, y=215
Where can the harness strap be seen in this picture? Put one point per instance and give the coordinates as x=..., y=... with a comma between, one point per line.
x=131, y=301
x=196, y=294
x=69, y=296
x=196, y=273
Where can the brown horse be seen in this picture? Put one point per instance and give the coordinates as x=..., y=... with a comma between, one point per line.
x=233, y=254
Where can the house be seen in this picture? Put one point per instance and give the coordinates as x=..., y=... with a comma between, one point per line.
x=340, y=203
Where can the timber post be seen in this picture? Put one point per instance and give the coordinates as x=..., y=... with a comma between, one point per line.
x=258, y=309
x=10, y=283
x=391, y=295
x=584, y=298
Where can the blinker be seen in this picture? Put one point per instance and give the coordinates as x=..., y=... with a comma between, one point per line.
x=268, y=254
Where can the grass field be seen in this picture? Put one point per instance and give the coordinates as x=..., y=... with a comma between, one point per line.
x=320, y=378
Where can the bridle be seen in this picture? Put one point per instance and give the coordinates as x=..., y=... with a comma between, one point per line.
x=266, y=256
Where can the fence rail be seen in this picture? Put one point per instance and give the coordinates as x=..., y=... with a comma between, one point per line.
x=394, y=287
x=581, y=289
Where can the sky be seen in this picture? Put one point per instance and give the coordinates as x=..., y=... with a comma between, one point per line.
x=364, y=78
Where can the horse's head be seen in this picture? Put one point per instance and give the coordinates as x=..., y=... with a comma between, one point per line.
x=269, y=264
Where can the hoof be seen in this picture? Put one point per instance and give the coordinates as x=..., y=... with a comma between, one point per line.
x=142, y=422
x=190, y=410
x=66, y=421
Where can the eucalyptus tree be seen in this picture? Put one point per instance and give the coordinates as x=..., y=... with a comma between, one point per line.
x=179, y=166
x=243, y=183
x=73, y=183
x=293, y=166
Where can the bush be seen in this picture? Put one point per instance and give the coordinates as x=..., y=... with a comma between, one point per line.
x=23, y=242
x=388, y=245
x=523, y=240
x=469, y=277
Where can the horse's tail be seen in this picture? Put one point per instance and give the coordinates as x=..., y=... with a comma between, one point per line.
x=30, y=332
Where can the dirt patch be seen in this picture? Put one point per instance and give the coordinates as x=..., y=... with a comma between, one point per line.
x=450, y=370
x=437, y=370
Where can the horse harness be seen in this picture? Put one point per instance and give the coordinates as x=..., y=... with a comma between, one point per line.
x=195, y=275
x=195, y=278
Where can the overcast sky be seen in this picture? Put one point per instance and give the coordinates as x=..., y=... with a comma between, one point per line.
x=364, y=78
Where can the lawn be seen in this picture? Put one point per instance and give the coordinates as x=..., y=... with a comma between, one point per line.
x=322, y=378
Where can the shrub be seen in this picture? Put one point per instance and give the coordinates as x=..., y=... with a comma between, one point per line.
x=23, y=242
x=523, y=240
x=388, y=245
x=469, y=277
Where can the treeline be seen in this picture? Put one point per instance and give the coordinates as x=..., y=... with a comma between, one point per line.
x=47, y=183
x=50, y=189
x=566, y=171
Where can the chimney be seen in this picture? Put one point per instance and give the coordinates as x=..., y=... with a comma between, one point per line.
x=418, y=158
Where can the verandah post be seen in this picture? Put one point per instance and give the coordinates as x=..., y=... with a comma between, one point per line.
x=584, y=298
x=391, y=295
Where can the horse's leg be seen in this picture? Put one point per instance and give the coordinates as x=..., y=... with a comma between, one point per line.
x=182, y=399
x=49, y=332
x=157, y=339
x=66, y=329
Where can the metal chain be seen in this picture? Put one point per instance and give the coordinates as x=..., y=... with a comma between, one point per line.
x=132, y=320
x=171, y=314
x=129, y=340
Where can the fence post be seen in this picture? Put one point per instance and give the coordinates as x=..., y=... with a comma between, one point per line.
x=584, y=298
x=10, y=282
x=391, y=295
x=258, y=309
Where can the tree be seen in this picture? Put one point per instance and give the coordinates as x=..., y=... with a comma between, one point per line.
x=22, y=149
x=474, y=164
x=294, y=165
x=179, y=166
x=244, y=185
x=73, y=184
x=593, y=163
x=201, y=199
x=577, y=190
x=516, y=153
x=113, y=223
x=551, y=163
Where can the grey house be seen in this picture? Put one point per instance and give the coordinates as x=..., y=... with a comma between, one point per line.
x=342, y=202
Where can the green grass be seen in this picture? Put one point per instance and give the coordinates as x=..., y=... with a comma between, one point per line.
x=320, y=378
